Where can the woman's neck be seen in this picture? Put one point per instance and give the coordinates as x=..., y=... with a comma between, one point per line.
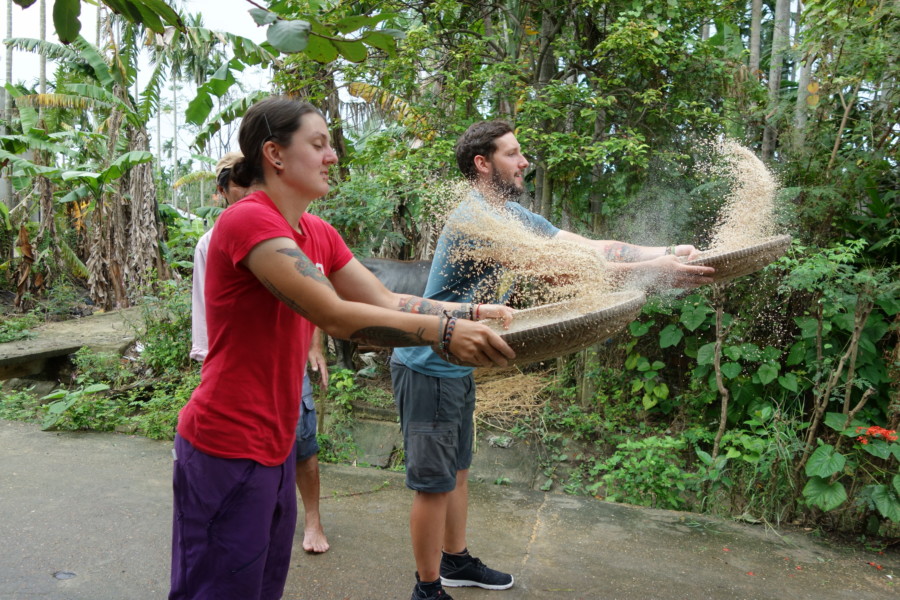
x=290, y=207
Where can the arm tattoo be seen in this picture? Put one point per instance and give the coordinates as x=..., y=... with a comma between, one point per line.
x=419, y=306
x=619, y=252
x=305, y=266
x=389, y=337
x=423, y=306
x=278, y=294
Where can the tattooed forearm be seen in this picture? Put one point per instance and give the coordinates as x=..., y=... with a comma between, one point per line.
x=619, y=252
x=423, y=306
x=277, y=293
x=389, y=337
x=419, y=306
x=305, y=266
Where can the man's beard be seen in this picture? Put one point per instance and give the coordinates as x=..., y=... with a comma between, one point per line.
x=503, y=188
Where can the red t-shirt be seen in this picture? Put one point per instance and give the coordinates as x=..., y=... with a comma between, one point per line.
x=248, y=400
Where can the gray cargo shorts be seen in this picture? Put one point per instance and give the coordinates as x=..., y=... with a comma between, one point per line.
x=436, y=417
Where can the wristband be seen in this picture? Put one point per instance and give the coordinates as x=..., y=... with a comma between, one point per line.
x=440, y=336
x=448, y=334
x=477, y=307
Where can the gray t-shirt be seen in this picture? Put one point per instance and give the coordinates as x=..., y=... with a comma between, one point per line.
x=468, y=280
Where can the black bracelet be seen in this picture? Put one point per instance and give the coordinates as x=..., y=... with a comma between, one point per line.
x=440, y=339
x=448, y=334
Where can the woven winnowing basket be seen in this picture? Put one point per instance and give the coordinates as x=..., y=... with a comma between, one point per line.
x=737, y=263
x=558, y=329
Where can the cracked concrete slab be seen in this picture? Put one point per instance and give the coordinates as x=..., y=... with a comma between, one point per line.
x=95, y=510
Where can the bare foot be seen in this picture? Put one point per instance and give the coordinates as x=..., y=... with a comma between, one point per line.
x=314, y=540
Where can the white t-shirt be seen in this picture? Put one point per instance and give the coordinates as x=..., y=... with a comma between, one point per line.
x=199, y=340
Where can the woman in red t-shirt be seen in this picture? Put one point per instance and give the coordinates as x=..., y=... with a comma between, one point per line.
x=273, y=272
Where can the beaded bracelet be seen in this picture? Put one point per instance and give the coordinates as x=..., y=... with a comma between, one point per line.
x=440, y=336
x=448, y=333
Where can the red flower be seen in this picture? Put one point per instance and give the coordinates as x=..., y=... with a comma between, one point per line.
x=875, y=432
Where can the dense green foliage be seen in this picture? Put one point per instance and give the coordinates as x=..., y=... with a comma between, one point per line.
x=771, y=398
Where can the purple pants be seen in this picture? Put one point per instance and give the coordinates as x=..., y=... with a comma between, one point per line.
x=233, y=526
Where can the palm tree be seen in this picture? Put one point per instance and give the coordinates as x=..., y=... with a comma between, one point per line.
x=6, y=194
x=191, y=53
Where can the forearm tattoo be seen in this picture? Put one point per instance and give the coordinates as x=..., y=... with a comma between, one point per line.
x=389, y=337
x=619, y=252
x=423, y=306
x=304, y=266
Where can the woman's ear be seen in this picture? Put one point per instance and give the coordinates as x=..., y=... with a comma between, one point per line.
x=271, y=153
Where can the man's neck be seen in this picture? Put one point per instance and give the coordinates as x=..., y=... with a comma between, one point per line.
x=489, y=194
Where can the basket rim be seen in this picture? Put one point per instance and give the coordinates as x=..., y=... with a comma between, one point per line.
x=633, y=300
x=774, y=243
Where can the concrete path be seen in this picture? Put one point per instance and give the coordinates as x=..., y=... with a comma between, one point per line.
x=88, y=517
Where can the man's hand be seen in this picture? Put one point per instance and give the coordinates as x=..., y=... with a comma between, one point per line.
x=493, y=311
x=685, y=252
x=672, y=272
x=316, y=360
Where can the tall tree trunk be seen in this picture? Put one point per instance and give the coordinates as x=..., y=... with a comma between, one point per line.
x=42, y=85
x=544, y=70
x=159, y=156
x=7, y=191
x=596, y=205
x=755, y=28
x=144, y=231
x=780, y=41
x=174, y=141
x=801, y=109
x=107, y=254
x=803, y=77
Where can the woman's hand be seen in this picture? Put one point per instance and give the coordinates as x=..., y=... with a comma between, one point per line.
x=478, y=345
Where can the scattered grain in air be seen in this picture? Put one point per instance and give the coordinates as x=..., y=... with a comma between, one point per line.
x=748, y=215
x=543, y=270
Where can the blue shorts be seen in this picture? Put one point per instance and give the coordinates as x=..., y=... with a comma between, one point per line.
x=436, y=417
x=307, y=445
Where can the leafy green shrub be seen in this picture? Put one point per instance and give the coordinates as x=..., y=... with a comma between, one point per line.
x=20, y=405
x=166, y=335
x=752, y=475
x=18, y=327
x=869, y=468
x=82, y=409
x=100, y=367
x=57, y=303
x=651, y=471
x=157, y=417
x=337, y=447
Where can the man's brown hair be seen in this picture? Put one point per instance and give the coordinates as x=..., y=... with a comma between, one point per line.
x=479, y=140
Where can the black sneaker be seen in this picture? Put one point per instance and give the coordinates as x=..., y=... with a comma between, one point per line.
x=430, y=591
x=466, y=570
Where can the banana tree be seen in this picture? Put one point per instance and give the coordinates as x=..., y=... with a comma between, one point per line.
x=113, y=171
